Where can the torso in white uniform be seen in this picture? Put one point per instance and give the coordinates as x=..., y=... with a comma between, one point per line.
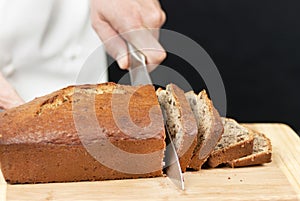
x=44, y=43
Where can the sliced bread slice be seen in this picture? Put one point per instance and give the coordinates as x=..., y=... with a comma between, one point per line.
x=180, y=122
x=262, y=152
x=236, y=142
x=210, y=127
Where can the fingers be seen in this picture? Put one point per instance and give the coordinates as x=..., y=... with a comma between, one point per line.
x=137, y=21
x=144, y=41
x=114, y=44
x=146, y=21
x=153, y=19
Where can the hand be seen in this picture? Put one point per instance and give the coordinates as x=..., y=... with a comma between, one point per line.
x=136, y=21
x=8, y=96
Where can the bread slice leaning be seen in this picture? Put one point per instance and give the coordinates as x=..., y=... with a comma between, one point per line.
x=236, y=142
x=180, y=122
x=262, y=152
x=210, y=127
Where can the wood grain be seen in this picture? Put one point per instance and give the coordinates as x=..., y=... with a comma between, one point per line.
x=279, y=180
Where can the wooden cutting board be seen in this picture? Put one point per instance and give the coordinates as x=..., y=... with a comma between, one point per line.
x=279, y=180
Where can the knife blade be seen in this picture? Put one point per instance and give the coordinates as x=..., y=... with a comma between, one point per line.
x=172, y=165
x=139, y=76
x=171, y=160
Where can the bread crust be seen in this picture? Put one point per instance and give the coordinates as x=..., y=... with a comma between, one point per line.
x=254, y=158
x=202, y=153
x=63, y=163
x=229, y=153
x=233, y=151
x=42, y=135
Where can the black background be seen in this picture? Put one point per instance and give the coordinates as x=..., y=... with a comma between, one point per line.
x=256, y=47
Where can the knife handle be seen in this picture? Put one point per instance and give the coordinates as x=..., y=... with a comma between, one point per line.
x=137, y=69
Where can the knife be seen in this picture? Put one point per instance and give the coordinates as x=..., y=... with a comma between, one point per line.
x=139, y=76
x=138, y=70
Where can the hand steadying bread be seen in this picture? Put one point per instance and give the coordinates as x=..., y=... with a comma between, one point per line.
x=43, y=134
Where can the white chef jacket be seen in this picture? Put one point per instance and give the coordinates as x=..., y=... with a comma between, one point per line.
x=44, y=43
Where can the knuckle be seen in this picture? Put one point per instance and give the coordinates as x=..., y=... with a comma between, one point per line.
x=163, y=17
x=157, y=57
x=156, y=18
x=162, y=56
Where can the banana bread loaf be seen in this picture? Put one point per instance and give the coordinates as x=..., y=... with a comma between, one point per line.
x=89, y=132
